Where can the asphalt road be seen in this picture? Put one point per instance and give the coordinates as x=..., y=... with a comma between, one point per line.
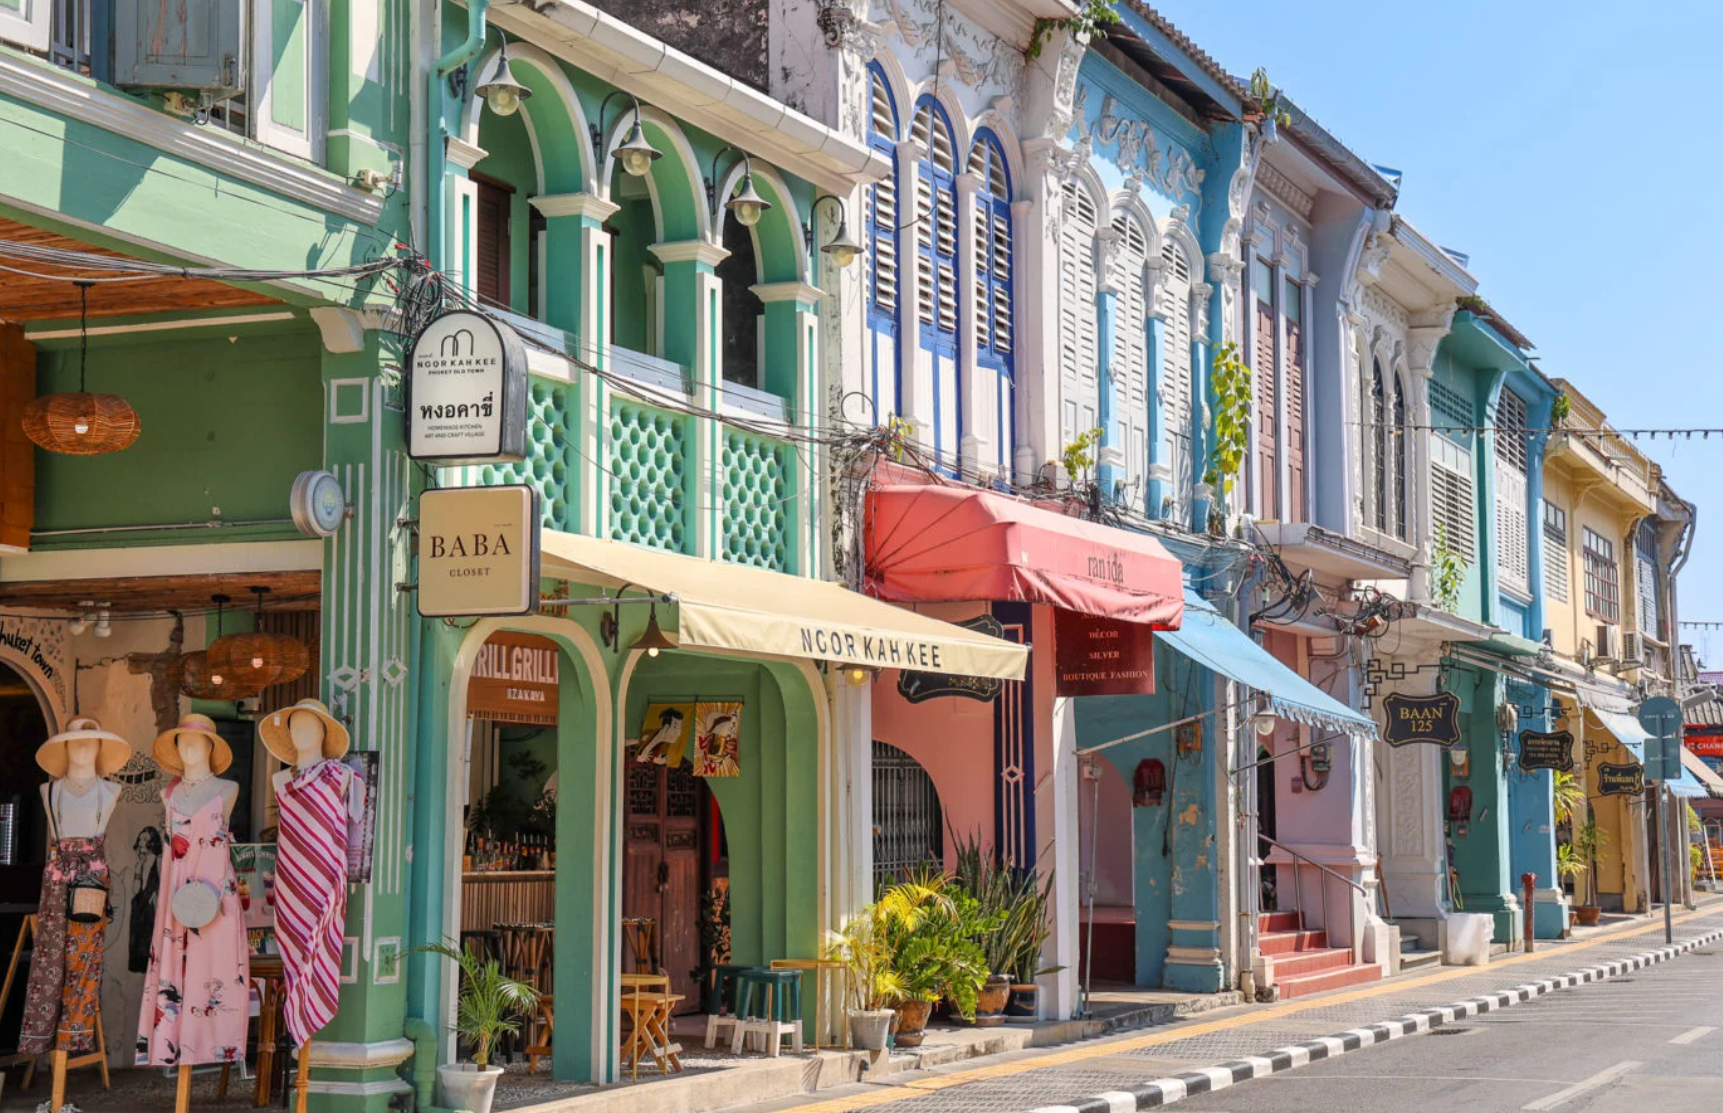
x=1649, y=1042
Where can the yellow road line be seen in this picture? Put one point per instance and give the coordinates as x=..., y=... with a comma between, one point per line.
x=1094, y=1049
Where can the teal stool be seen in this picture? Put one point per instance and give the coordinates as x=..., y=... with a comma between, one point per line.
x=768, y=1005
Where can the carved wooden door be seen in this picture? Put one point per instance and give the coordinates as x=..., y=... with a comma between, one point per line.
x=661, y=867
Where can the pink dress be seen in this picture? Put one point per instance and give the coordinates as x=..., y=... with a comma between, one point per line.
x=196, y=993
x=311, y=893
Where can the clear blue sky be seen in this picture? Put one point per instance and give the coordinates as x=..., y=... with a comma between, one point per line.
x=1572, y=150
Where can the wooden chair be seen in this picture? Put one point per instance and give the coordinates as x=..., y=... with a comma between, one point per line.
x=641, y=934
x=541, y=962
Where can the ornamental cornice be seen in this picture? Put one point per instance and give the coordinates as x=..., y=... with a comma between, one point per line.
x=689, y=251
x=463, y=154
x=575, y=204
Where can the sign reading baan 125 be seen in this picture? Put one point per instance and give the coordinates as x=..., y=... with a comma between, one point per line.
x=1434, y=719
x=466, y=391
x=478, y=551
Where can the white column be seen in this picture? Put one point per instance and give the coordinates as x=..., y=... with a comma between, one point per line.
x=1035, y=229
x=915, y=401
x=1063, y=948
x=977, y=427
x=460, y=207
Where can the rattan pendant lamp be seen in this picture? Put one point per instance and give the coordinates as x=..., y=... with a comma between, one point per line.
x=79, y=423
x=251, y=660
x=209, y=674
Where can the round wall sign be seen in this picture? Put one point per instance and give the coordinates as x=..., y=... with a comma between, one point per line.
x=319, y=503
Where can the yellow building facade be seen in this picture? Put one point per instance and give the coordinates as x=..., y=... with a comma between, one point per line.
x=1599, y=493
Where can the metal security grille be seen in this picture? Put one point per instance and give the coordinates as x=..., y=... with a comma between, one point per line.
x=908, y=825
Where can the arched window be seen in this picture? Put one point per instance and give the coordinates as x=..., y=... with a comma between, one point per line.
x=1173, y=301
x=1399, y=457
x=908, y=822
x=882, y=233
x=1381, y=473
x=1131, y=356
x=936, y=273
x=1078, y=318
x=995, y=325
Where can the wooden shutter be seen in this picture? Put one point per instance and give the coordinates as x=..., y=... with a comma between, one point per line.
x=1266, y=388
x=1512, y=528
x=1131, y=360
x=936, y=222
x=882, y=197
x=1292, y=388
x=1078, y=317
x=1557, y=559
x=1173, y=299
x=1451, y=497
x=491, y=280
x=17, y=453
x=190, y=44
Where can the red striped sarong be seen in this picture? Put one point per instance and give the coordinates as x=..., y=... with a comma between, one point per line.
x=311, y=893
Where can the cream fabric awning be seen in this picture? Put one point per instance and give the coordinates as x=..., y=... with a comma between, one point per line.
x=732, y=607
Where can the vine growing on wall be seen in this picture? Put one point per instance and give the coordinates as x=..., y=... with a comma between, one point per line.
x=1091, y=20
x=1229, y=380
x=1447, y=572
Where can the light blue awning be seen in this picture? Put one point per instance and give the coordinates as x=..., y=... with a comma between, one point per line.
x=1207, y=638
x=1688, y=785
x=1626, y=729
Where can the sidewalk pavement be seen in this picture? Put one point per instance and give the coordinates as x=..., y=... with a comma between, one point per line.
x=1153, y=1067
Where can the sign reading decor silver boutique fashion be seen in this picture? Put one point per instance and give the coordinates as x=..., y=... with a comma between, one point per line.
x=478, y=551
x=467, y=391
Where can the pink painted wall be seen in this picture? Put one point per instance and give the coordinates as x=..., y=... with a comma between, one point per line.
x=1114, y=867
x=951, y=737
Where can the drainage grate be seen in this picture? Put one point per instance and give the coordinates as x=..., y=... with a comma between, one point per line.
x=1453, y=1031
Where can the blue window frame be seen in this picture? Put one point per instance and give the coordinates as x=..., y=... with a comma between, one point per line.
x=995, y=307
x=882, y=241
x=938, y=279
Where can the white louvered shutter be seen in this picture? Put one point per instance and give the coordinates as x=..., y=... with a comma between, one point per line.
x=1557, y=560
x=1131, y=361
x=1512, y=528
x=1078, y=323
x=936, y=218
x=1173, y=299
x=924, y=220
x=883, y=193
x=1451, y=497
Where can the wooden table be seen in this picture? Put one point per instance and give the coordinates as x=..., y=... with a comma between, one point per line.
x=648, y=1012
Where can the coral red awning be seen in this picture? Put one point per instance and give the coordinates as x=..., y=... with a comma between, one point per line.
x=931, y=544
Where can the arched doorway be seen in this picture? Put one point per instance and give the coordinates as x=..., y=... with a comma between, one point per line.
x=23, y=829
x=908, y=822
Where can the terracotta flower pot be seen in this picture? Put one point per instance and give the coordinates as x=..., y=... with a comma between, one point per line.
x=912, y=1022
x=990, y=1003
x=1588, y=914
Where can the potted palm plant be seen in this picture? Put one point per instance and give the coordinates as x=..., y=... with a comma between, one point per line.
x=1586, y=841
x=865, y=945
x=487, y=1007
x=934, y=954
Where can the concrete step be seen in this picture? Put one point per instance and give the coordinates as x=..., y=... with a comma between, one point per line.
x=1287, y=942
x=1279, y=921
x=1321, y=982
x=1418, y=960
x=1300, y=963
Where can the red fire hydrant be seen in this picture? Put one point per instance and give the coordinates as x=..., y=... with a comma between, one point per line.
x=1528, y=887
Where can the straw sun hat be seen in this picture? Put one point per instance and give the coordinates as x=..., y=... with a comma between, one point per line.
x=52, y=755
x=166, y=751
x=277, y=732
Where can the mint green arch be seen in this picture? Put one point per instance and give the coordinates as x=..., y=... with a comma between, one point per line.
x=555, y=120
x=675, y=182
x=778, y=247
x=771, y=812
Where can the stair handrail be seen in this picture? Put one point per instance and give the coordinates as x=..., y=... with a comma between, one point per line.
x=1327, y=872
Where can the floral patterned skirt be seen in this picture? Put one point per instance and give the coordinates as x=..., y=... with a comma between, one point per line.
x=66, y=972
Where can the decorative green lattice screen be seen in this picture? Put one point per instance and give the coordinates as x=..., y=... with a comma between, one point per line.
x=648, y=464
x=550, y=424
x=757, y=489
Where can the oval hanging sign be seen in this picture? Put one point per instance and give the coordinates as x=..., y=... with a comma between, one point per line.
x=1434, y=719
x=466, y=391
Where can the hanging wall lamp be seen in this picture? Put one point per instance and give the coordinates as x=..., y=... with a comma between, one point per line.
x=502, y=92
x=841, y=247
x=634, y=153
x=745, y=202
x=79, y=423
x=653, y=640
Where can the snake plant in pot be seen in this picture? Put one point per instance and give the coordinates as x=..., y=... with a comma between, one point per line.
x=488, y=1006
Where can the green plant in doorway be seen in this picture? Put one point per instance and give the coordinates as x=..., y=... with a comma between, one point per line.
x=1568, y=796
x=936, y=955
x=488, y=1004
x=1091, y=22
x=1229, y=382
x=1570, y=866
x=1447, y=572
x=714, y=927
x=1587, y=840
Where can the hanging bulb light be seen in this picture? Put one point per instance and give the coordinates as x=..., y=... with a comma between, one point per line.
x=857, y=676
x=250, y=660
x=747, y=205
x=653, y=640
x=636, y=154
x=502, y=92
x=78, y=423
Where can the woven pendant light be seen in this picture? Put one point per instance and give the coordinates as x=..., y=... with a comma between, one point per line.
x=195, y=680
x=79, y=423
x=220, y=669
x=291, y=653
x=257, y=660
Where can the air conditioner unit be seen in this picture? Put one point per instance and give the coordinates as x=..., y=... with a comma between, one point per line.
x=1606, y=647
x=1632, y=649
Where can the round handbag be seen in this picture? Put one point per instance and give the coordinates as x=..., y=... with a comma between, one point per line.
x=86, y=899
x=196, y=903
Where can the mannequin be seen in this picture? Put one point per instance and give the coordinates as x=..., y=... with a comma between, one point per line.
x=196, y=990
x=316, y=798
x=63, y=1001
